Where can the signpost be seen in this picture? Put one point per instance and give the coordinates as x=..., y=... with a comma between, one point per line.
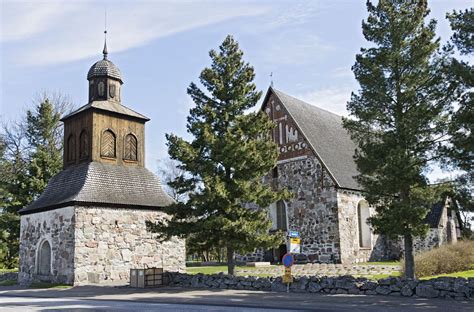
x=288, y=261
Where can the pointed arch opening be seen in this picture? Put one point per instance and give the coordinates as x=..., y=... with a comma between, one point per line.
x=130, y=147
x=281, y=216
x=108, y=144
x=83, y=145
x=71, y=148
x=363, y=214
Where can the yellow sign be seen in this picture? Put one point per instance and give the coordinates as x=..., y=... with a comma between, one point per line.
x=295, y=240
x=287, y=277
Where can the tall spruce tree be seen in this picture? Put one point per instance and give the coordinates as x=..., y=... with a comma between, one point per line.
x=31, y=153
x=400, y=116
x=231, y=151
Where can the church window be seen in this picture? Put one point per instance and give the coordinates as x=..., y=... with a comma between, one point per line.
x=101, y=88
x=130, y=147
x=83, y=145
x=363, y=213
x=44, y=259
x=71, y=148
x=281, y=215
x=107, y=144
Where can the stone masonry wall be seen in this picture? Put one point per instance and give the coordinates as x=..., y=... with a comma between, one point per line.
x=351, y=252
x=110, y=242
x=57, y=227
x=442, y=287
x=313, y=210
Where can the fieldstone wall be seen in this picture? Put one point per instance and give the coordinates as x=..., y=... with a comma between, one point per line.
x=9, y=276
x=110, y=242
x=313, y=210
x=56, y=227
x=443, y=287
x=351, y=252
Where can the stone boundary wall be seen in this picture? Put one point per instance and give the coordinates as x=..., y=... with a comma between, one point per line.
x=442, y=287
x=8, y=276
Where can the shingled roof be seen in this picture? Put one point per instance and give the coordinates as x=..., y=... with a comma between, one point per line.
x=108, y=106
x=95, y=183
x=324, y=132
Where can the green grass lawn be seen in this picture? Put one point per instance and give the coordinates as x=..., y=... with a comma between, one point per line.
x=465, y=274
x=218, y=269
x=8, y=270
x=380, y=263
x=8, y=283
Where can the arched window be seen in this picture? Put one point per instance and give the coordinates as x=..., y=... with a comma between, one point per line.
x=130, y=147
x=83, y=145
x=107, y=144
x=71, y=148
x=281, y=215
x=44, y=259
x=363, y=213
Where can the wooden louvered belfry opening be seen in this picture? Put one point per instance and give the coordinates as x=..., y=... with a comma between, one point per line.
x=107, y=144
x=130, y=147
x=71, y=148
x=83, y=145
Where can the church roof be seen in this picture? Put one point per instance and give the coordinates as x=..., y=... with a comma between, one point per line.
x=108, y=106
x=104, y=68
x=95, y=183
x=324, y=132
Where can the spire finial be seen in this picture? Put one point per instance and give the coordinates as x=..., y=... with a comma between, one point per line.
x=105, y=52
x=271, y=79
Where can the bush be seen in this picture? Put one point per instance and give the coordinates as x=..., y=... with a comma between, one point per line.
x=444, y=259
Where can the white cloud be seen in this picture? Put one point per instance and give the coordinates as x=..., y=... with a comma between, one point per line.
x=342, y=72
x=21, y=20
x=331, y=99
x=294, y=47
x=59, y=32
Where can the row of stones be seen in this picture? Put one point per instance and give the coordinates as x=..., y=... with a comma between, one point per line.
x=325, y=269
x=443, y=287
x=8, y=276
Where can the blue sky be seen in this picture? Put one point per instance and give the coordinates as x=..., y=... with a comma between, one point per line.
x=161, y=46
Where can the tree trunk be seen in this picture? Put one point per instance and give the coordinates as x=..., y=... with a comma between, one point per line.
x=230, y=260
x=409, y=259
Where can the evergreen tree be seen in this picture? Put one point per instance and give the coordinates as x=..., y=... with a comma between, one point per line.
x=43, y=132
x=401, y=113
x=31, y=153
x=461, y=150
x=230, y=153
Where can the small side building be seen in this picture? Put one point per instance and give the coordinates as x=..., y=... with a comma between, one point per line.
x=88, y=226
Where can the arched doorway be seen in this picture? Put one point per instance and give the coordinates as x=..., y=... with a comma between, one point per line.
x=44, y=259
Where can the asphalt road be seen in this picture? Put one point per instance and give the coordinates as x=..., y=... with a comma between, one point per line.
x=88, y=298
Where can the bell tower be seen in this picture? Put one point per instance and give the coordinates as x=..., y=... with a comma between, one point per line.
x=104, y=130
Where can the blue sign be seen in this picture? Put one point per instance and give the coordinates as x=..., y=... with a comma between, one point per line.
x=288, y=260
x=294, y=234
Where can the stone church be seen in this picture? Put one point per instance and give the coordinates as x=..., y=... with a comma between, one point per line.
x=328, y=209
x=88, y=226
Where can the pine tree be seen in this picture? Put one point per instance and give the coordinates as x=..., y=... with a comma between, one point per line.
x=461, y=150
x=231, y=151
x=400, y=116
